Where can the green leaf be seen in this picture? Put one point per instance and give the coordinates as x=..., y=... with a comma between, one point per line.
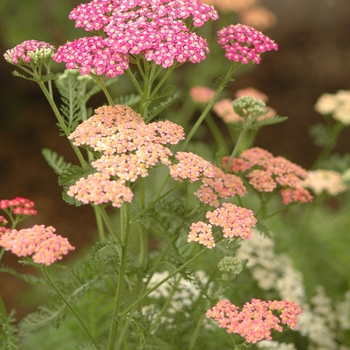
x=163, y=105
x=55, y=161
x=127, y=100
x=269, y=121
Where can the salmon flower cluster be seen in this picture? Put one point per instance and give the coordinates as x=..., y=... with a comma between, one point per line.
x=234, y=222
x=256, y=319
x=266, y=173
x=128, y=147
x=18, y=206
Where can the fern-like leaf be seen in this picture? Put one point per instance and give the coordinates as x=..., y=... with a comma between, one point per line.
x=55, y=161
x=8, y=334
x=127, y=100
x=163, y=105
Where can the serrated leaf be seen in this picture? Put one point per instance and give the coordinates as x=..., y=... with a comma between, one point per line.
x=268, y=121
x=163, y=105
x=55, y=161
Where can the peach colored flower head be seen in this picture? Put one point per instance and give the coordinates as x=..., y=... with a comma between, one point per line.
x=233, y=220
x=129, y=148
x=201, y=233
x=265, y=173
x=201, y=94
x=221, y=186
x=39, y=241
x=256, y=319
x=191, y=167
x=231, y=5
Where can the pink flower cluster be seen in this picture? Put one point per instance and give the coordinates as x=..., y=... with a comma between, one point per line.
x=39, y=241
x=244, y=44
x=155, y=29
x=233, y=220
x=256, y=319
x=221, y=185
x=29, y=50
x=128, y=148
x=267, y=173
x=191, y=167
x=18, y=206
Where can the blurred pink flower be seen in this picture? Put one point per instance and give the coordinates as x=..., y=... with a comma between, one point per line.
x=224, y=110
x=258, y=17
x=19, y=206
x=201, y=94
x=250, y=91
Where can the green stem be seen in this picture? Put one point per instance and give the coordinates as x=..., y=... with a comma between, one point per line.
x=99, y=222
x=209, y=105
x=195, y=333
x=111, y=229
x=104, y=89
x=331, y=143
x=219, y=138
x=70, y=306
x=143, y=234
x=61, y=121
x=125, y=230
x=122, y=335
x=144, y=295
x=2, y=253
x=236, y=149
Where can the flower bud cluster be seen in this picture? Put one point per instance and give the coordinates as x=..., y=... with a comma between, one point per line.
x=230, y=265
x=30, y=51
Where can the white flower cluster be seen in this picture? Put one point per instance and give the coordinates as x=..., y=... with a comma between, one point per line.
x=271, y=345
x=325, y=180
x=337, y=104
x=275, y=272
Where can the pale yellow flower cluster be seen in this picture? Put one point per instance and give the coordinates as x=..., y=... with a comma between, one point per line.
x=249, y=12
x=325, y=180
x=337, y=104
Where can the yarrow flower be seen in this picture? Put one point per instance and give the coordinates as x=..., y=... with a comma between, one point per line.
x=233, y=220
x=30, y=51
x=154, y=29
x=220, y=186
x=337, y=104
x=256, y=319
x=244, y=44
x=128, y=148
x=18, y=206
x=191, y=167
x=39, y=241
x=325, y=180
x=201, y=94
x=230, y=265
x=201, y=232
x=266, y=173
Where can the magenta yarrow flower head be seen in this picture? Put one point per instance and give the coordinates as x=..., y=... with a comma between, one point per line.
x=39, y=241
x=191, y=167
x=128, y=148
x=221, y=186
x=233, y=220
x=266, y=173
x=154, y=29
x=256, y=319
x=18, y=206
x=244, y=44
x=30, y=51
